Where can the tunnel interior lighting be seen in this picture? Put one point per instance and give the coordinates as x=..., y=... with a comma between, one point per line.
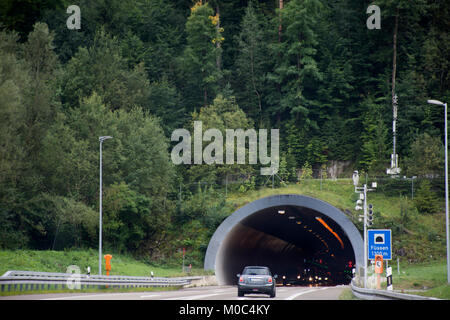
x=298, y=222
x=331, y=230
x=291, y=218
x=281, y=212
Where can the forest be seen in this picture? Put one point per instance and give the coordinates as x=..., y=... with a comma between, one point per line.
x=138, y=70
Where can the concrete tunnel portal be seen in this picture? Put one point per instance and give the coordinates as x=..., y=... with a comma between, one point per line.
x=302, y=239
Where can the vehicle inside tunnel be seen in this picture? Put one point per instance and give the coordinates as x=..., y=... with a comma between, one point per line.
x=301, y=245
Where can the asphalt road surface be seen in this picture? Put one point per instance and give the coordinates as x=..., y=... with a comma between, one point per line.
x=200, y=293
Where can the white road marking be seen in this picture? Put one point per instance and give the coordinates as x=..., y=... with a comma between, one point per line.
x=200, y=296
x=151, y=296
x=292, y=297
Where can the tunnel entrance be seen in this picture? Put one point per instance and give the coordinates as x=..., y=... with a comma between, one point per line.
x=302, y=239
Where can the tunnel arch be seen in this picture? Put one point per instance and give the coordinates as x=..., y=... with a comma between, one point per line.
x=283, y=231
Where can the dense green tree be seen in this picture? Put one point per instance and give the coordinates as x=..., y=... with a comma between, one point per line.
x=374, y=148
x=21, y=15
x=222, y=114
x=426, y=157
x=295, y=60
x=425, y=199
x=132, y=222
x=101, y=68
x=166, y=103
x=251, y=62
x=14, y=81
x=159, y=25
x=57, y=222
x=199, y=62
x=27, y=106
x=137, y=154
x=42, y=100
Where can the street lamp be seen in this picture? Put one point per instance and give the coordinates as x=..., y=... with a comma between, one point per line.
x=361, y=204
x=101, y=139
x=439, y=103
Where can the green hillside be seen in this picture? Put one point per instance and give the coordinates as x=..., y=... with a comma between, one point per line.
x=58, y=261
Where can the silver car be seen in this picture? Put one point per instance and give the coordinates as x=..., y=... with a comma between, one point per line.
x=256, y=279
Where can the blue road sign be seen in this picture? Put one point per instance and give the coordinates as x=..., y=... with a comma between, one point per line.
x=379, y=242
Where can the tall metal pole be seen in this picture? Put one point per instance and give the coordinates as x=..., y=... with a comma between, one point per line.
x=100, y=222
x=394, y=131
x=365, y=236
x=101, y=139
x=446, y=196
x=439, y=103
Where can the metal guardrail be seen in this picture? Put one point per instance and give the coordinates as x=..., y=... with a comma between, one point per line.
x=15, y=280
x=373, y=294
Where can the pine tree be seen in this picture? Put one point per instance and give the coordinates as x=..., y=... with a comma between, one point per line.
x=251, y=62
x=199, y=61
x=295, y=59
x=374, y=148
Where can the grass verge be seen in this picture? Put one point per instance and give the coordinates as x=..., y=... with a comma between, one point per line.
x=58, y=261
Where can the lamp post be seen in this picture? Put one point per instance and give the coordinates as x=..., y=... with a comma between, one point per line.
x=101, y=139
x=363, y=201
x=439, y=103
x=363, y=193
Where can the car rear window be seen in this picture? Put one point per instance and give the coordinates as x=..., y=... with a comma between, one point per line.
x=256, y=271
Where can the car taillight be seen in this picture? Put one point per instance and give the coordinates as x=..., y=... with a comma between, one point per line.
x=241, y=279
x=270, y=280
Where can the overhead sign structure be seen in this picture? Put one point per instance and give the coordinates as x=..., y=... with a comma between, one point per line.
x=379, y=243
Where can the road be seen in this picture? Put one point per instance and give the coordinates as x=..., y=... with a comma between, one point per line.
x=199, y=293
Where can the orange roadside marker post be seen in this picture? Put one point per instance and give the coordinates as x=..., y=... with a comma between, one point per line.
x=378, y=269
x=108, y=258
